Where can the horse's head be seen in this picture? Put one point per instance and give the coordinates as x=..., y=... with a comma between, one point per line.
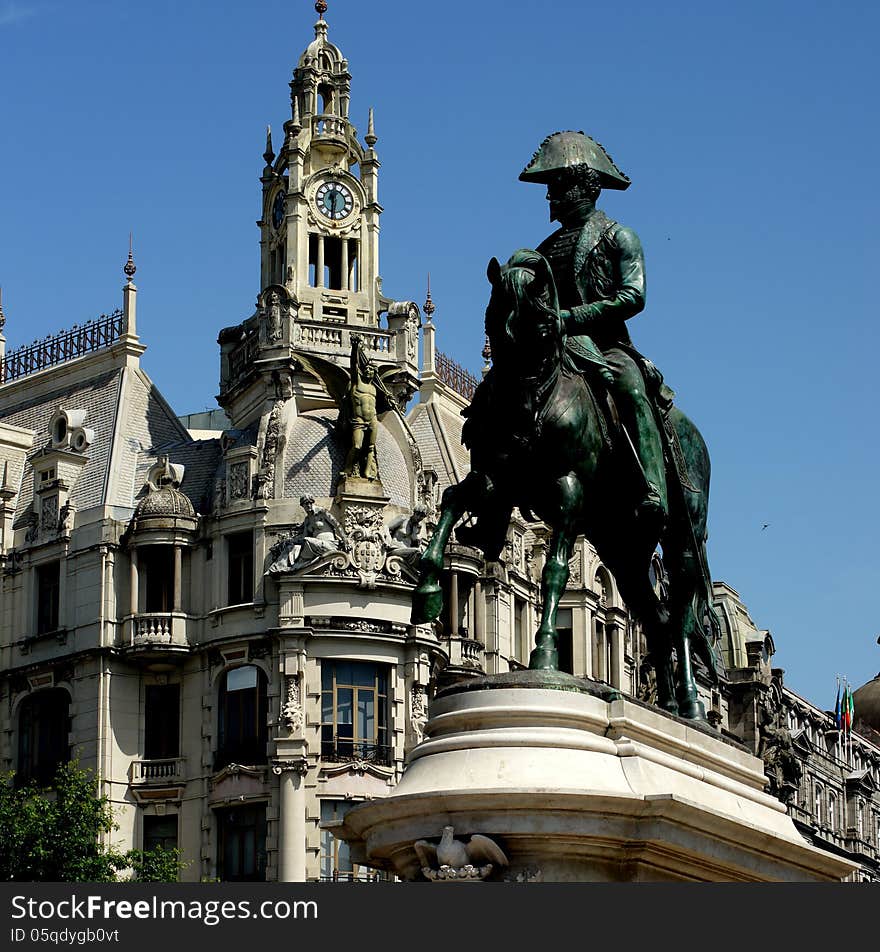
x=525, y=331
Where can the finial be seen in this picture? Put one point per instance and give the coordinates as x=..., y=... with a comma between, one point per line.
x=370, y=138
x=429, y=304
x=321, y=7
x=487, y=351
x=268, y=155
x=129, y=268
x=297, y=124
x=2, y=315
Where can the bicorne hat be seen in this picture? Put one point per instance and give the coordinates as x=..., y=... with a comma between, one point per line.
x=566, y=149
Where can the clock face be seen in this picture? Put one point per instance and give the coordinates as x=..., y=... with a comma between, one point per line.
x=334, y=201
x=278, y=210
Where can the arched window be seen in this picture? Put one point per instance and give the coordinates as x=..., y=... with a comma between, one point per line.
x=832, y=811
x=241, y=723
x=43, y=726
x=325, y=94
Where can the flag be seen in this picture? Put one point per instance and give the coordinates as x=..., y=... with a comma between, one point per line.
x=849, y=707
x=838, y=714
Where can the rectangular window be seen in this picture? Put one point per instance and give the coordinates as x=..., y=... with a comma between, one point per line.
x=156, y=567
x=242, y=718
x=336, y=864
x=160, y=831
x=241, y=844
x=161, y=721
x=354, y=712
x=43, y=729
x=48, y=597
x=565, y=640
x=519, y=624
x=240, y=554
x=602, y=671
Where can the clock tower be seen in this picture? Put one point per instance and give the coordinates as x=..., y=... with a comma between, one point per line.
x=319, y=250
x=319, y=229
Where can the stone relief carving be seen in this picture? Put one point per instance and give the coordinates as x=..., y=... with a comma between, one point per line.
x=219, y=494
x=274, y=329
x=776, y=748
x=575, y=570
x=429, y=492
x=298, y=765
x=49, y=513
x=265, y=481
x=291, y=716
x=33, y=527
x=454, y=859
x=418, y=712
x=66, y=518
x=412, y=337
x=365, y=529
x=238, y=487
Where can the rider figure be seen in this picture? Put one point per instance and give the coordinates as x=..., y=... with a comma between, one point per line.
x=599, y=269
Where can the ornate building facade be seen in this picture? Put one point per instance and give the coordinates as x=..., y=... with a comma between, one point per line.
x=213, y=612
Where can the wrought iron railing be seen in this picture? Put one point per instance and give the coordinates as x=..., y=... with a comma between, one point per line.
x=455, y=376
x=59, y=348
x=342, y=751
x=361, y=876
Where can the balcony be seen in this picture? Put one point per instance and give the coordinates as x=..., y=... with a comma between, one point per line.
x=157, y=637
x=146, y=772
x=346, y=751
x=464, y=652
x=157, y=780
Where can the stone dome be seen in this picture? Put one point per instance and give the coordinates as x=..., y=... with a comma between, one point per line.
x=314, y=459
x=866, y=704
x=164, y=503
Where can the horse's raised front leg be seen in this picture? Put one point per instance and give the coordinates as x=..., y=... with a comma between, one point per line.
x=545, y=654
x=427, y=601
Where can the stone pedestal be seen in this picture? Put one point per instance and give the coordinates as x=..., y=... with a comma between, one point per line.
x=576, y=784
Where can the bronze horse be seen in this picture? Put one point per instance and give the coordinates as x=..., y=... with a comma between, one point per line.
x=540, y=440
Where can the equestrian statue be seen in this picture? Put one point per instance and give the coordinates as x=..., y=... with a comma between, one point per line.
x=573, y=426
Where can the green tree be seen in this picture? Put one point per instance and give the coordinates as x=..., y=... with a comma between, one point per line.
x=56, y=834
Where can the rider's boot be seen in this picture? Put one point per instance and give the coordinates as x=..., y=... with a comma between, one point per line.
x=652, y=508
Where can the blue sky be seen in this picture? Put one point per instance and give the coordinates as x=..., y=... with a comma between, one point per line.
x=749, y=131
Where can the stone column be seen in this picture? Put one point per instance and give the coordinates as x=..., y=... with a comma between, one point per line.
x=292, y=819
x=343, y=277
x=319, y=263
x=479, y=613
x=614, y=634
x=453, y=602
x=178, y=577
x=133, y=584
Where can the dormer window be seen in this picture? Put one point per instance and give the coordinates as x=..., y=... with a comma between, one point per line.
x=47, y=476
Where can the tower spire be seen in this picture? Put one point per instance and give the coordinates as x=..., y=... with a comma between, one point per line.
x=129, y=296
x=269, y=154
x=370, y=138
x=129, y=268
x=429, y=304
x=321, y=7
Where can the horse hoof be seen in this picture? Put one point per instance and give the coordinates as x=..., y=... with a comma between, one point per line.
x=544, y=659
x=427, y=603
